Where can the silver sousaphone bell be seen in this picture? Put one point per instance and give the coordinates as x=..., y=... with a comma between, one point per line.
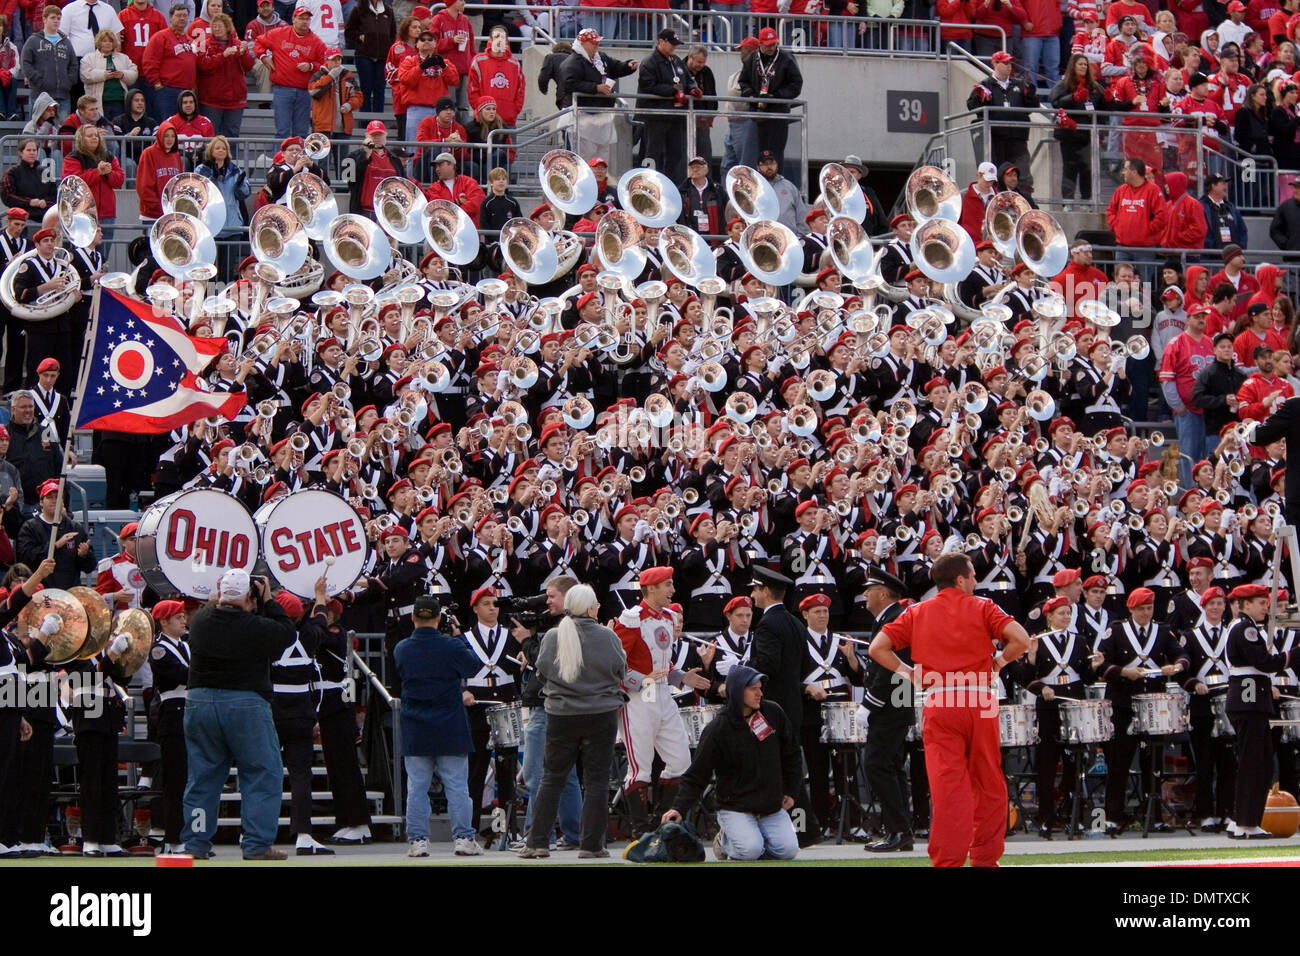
x=771, y=252
x=312, y=202
x=567, y=182
x=398, y=207
x=357, y=247
x=751, y=194
x=1000, y=219
x=195, y=196
x=178, y=242
x=841, y=193
x=650, y=197
x=77, y=212
x=529, y=251
x=686, y=254
x=618, y=237
x=932, y=195
x=450, y=231
x=278, y=238
x=1041, y=243
x=943, y=250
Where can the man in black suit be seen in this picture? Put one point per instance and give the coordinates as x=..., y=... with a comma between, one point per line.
x=889, y=701
x=1285, y=423
x=777, y=651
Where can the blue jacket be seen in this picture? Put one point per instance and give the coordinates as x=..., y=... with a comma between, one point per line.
x=1232, y=218
x=432, y=666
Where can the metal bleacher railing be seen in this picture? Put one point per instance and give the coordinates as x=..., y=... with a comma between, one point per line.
x=723, y=29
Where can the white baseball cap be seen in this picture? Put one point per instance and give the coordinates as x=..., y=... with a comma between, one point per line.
x=989, y=172
x=233, y=584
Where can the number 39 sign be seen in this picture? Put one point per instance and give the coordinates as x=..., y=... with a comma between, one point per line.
x=907, y=111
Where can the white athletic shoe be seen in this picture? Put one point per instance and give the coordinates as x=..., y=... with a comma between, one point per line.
x=468, y=846
x=418, y=848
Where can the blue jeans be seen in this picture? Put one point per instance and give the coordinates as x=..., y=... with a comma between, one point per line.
x=1048, y=51
x=292, y=108
x=164, y=101
x=224, y=122
x=534, y=753
x=740, y=146
x=453, y=771
x=747, y=837
x=370, y=77
x=606, y=25
x=415, y=113
x=1191, y=443
x=842, y=35
x=224, y=727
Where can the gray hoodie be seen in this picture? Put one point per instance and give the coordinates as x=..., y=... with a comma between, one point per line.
x=598, y=688
x=50, y=67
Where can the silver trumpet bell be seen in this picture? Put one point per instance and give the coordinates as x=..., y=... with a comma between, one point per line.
x=77, y=212
x=312, y=202
x=943, y=250
x=841, y=193
x=195, y=196
x=650, y=197
x=179, y=242
x=278, y=238
x=398, y=207
x=567, y=182
x=686, y=254
x=1040, y=242
x=578, y=412
x=529, y=251
x=751, y=194
x=771, y=252
x=1040, y=406
x=357, y=247
x=450, y=232
x=932, y=195
x=1000, y=219
x=618, y=238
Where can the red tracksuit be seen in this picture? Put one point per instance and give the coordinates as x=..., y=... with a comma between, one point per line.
x=951, y=638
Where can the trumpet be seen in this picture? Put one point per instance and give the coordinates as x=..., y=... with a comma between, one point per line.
x=1081, y=508
x=299, y=442
x=266, y=409
x=1135, y=522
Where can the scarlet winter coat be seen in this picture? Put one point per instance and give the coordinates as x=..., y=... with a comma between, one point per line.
x=101, y=187
x=425, y=86
x=221, y=78
x=158, y=164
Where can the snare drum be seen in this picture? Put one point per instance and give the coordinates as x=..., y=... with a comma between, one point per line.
x=1017, y=725
x=1095, y=691
x=1085, y=721
x=1222, y=725
x=695, y=719
x=843, y=723
x=1158, y=715
x=1289, y=709
x=187, y=540
x=506, y=725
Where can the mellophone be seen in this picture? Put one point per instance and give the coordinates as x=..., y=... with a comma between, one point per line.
x=186, y=540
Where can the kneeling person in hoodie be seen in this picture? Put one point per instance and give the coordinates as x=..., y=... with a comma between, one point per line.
x=754, y=755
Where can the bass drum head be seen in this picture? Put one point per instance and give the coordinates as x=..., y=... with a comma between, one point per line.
x=310, y=533
x=185, y=541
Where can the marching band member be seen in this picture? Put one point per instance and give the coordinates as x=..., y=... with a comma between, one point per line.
x=119, y=578
x=650, y=721
x=495, y=683
x=169, y=662
x=1216, y=764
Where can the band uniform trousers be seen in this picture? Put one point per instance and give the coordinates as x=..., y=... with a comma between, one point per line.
x=296, y=746
x=1046, y=755
x=1254, y=767
x=823, y=759
x=963, y=758
x=506, y=763
x=885, y=753
x=24, y=801
x=47, y=339
x=10, y=725
x=650, y=726
x=174, y=769
x=15, y=349
x=1286, y=764
x=1216, y=768
x=1119, y=758
x=338, y=741
x=97, y=785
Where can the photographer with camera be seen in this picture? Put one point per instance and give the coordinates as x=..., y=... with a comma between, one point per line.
x=369, y=165
x=228, y=713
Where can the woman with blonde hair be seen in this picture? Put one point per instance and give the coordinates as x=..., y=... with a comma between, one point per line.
x=582, y=666
x=91, y=161
x=108, y=73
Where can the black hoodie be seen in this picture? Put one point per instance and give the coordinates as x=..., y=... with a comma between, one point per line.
x=752, y=775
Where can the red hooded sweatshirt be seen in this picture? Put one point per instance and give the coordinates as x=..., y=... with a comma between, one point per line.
x=1186, y=229
x=158, y=164
x=1138, y=216
x=1190, y=297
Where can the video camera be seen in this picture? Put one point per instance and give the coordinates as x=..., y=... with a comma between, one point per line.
x=530, y=611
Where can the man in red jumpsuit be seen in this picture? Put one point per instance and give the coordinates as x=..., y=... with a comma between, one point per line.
x=951, y=637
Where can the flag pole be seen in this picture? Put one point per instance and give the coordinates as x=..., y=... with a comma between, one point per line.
x=83, y=375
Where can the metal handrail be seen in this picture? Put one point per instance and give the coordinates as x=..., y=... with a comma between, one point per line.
x=396, y=769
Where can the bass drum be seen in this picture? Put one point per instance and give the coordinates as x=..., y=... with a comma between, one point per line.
x=310, y=533
x=185, y=541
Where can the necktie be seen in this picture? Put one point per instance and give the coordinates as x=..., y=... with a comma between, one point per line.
x=92, y=22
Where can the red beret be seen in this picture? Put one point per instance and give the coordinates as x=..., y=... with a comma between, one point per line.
x=900, y=218
x=655, y=575
x=1212, y=505
x=1244, y=592
x=1139, y=596
x=165, y=609
x=1058, y=422
x=1210, y=594
x=698, y=518
x=1065, y=577
x=486, y=590
x=935, y=383
x=796, y=465
x=43, y=234
x=815, y=600
x=1052, y=604
x=395, y=531
x=429, y=512
x=291, y=603
x=128, y=531
x=804, y=506
x=1096, y=581
x=737, y=603
x=398, y=486
x=47, y=365
x=1200, y=562
x=623, y=512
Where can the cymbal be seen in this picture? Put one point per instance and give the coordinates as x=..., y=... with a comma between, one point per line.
x=65, y=618
x=138, y=627
x=100, y=619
